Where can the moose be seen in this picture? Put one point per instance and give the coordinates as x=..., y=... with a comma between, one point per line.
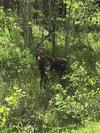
x=58, y=65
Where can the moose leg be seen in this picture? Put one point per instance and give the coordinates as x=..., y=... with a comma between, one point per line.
x=43, y=79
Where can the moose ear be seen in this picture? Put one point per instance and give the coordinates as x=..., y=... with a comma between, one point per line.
x=38, y=58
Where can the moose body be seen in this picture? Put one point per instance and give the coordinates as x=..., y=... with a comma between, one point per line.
x=55, y=64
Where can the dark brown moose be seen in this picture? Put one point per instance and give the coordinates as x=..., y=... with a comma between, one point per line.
x=55, y=64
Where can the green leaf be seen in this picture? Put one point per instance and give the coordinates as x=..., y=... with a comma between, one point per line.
x=76, y=5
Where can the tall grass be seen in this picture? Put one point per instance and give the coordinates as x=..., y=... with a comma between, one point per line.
x=93, y=127
x=89, y=128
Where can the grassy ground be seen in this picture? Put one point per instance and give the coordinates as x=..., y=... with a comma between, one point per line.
x=89, y=128
x=93, y=127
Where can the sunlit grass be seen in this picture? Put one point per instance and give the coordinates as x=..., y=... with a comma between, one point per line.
x=89, y=128
x=93, y=127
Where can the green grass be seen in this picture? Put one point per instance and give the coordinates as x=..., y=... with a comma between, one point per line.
x=93, y=127
x=90, y=128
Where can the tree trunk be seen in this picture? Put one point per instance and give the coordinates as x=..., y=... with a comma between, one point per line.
x=27, y=23
x=45, y=6
x=67, y=31
x=53, y=39
x=52, y=24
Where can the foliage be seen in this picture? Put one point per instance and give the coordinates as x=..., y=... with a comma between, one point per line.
x=88, y=128
x=80, y=101
x=71, y=101
x=16, y=63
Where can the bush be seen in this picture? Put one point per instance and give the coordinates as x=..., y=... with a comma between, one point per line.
x=79, y=102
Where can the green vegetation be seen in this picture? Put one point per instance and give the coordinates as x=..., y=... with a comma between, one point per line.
x=90, y=128
x=70, y=103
